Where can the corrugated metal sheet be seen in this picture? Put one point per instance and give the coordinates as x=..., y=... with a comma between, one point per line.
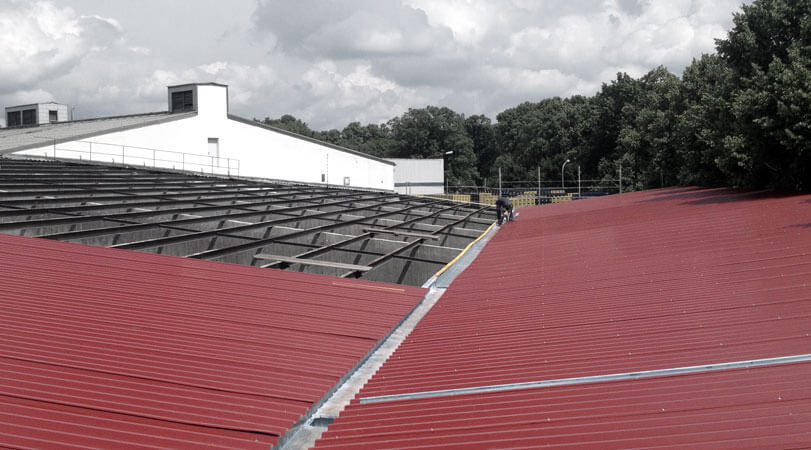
x=641, y=281
x=766, y=407
x=638, y=282
x=105, y=348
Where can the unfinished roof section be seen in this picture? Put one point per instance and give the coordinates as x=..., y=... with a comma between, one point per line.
x=327, y=230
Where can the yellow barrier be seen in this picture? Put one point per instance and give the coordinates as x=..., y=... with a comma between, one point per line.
x=519, y=201
x=523, y=200
x=455, y=197
x=487, y=198
x=562, y=198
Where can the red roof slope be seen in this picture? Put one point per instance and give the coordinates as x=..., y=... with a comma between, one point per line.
x=106, y=348
x=642, y=281
x=767, y=407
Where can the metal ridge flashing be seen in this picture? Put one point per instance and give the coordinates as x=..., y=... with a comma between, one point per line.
x=591, y=379
x=304, y=430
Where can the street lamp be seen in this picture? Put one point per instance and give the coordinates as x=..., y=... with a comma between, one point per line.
x=562, y=183
x=449, y=152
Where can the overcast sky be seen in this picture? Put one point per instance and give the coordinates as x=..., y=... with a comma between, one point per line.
x=332, y=62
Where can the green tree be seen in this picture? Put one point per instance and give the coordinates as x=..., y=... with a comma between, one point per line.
x=481, y=130
x=432, y=132
x=372, y=139
x=607, y=122
x=289, y=123
x=769, y=53
x=541, y=135
x=648, y=132
x=332, y=136
x=704, y=122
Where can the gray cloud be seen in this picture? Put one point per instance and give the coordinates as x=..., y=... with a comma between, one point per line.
x=334, y=62
x=350, y=29
x=42, y=42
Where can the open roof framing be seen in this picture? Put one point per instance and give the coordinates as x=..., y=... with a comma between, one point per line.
x=379, y=236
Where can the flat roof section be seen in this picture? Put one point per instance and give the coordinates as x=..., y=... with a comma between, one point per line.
x=112, y=348
x=316, y=229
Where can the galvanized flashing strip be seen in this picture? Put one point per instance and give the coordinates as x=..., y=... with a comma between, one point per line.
x=303, y=434
x=590, y=379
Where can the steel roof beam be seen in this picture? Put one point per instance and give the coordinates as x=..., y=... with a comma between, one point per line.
x=365, y=236
x=262, y=242
x=415, y=243
x=207, y=207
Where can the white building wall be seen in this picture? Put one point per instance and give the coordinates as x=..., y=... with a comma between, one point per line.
x=44, y=109
x=419, y=176
x=260, y=152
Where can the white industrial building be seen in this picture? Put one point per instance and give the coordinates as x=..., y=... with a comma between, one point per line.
x=198, y=134
x=36, y=114
x=419, y=176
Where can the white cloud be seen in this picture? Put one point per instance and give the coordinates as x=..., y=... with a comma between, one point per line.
x=39, y=42
x=138, y=50
x=331, y=63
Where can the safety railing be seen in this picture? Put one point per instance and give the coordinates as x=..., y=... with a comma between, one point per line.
x=143, y=156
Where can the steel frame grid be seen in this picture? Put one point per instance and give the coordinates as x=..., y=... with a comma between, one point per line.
x=137, y=209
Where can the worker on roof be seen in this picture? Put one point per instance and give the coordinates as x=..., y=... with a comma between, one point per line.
x=504, y=205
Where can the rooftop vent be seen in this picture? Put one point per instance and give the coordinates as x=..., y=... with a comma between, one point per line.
x=36, y=114
x=203, y=98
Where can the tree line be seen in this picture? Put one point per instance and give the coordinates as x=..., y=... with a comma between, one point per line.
x=740, y=117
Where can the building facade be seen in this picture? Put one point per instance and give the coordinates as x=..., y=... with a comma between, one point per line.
x=419, y=176
x=198, y=133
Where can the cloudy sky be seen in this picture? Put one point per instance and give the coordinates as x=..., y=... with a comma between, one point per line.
x=332, y=62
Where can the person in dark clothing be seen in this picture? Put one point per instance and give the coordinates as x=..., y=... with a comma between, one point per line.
x=504, y=208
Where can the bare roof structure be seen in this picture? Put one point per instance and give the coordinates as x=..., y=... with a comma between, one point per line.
x=380, y=236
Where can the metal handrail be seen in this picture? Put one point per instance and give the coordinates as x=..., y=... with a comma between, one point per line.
x=148, y=157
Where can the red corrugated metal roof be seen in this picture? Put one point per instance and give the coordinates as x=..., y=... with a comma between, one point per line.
x=767, y=407
x=105, y=347
x=641, y=281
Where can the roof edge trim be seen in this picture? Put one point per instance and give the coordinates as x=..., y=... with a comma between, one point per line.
x=210, y=83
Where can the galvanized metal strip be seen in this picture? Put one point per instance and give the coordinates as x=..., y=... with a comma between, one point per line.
x=590, y=379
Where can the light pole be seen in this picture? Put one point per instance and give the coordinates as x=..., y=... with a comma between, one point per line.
x=449, y=152
x=562, y=183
